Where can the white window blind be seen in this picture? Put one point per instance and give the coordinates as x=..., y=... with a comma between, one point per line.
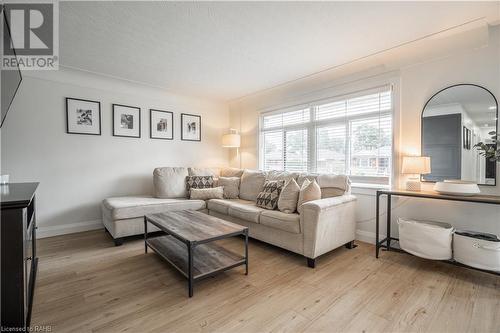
x=347, y=135
x=296, y=146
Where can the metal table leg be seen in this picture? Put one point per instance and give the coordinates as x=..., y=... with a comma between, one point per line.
x=190, y=269
x=389, y=222
x=246, y=252
x=145, y=234
x=377, y=212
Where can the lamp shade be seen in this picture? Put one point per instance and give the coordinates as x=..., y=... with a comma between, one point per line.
x=231, y=140
x=416, y=165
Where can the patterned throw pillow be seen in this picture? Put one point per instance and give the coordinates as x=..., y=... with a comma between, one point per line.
x=198, y=182
x=269, y=196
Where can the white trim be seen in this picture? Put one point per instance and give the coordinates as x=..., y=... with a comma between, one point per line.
x=365, y=236
x=56, y=230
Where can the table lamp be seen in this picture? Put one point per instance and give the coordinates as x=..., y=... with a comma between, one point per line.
x=415, y=165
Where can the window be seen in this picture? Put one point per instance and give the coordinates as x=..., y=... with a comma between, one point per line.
x=350, y=135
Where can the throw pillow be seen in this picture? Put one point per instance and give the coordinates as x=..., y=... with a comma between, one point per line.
x=231, y=187
x=308, y=192
x=207, y=193
x=252, y=182
x=198, y=182
x=270, y=194
x=287, y=202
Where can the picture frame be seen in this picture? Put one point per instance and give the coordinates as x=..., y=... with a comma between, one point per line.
x=190, y=127
x=83, y=116
x=126, y=121
x=161, y=124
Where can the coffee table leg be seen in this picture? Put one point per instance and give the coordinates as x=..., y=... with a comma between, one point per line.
x=145, y=234
x=190, y=270
x=246, y=252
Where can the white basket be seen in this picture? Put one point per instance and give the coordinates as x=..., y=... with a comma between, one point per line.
x=426, y=239
x=478, y=250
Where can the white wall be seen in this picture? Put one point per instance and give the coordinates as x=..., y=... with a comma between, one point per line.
x=77, y=171
x=416, y=81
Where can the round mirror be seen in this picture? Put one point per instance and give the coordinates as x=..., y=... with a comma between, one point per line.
x=453, y=121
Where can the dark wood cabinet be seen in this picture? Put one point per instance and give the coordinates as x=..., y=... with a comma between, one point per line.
x=19, y=260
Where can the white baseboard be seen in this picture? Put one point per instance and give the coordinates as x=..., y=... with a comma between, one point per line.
x=365, y=236
x=56, y=230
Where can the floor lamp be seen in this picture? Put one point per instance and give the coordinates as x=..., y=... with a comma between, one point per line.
x=232, y=140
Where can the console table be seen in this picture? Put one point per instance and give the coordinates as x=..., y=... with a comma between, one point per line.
x=19, y=260
x=386, y=242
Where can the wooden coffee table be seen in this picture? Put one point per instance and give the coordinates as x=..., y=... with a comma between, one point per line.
x=188, y=243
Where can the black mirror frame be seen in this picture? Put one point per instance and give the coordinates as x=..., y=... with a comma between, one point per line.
x=422, y=116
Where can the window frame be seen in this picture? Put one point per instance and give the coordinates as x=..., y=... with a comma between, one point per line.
x=313, y=124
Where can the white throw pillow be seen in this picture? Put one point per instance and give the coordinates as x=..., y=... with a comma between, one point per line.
x=207, y=193
x=287, y=203
x=231, y=187
x=308, y=192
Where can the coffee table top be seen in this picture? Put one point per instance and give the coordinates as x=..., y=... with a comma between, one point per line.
x=194, y=227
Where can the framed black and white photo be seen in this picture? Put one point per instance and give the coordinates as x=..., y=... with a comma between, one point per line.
x=83, y=116
x=161, y=124
x=126, y=121
x=190, y=127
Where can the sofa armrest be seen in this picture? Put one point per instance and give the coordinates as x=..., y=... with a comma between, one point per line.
x=329, y=203
x=327, y=224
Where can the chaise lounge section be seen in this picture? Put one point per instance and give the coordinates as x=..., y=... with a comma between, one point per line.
x=321, y=226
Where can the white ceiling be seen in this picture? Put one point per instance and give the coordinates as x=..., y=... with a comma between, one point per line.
x=224, y=50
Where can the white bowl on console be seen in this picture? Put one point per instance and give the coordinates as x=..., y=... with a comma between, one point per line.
x=457, y=187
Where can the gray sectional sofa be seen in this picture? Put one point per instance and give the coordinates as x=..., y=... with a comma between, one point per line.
x=322, y=225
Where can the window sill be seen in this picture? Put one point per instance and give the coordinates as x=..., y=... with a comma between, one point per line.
x=370, y=186
x=367, y=189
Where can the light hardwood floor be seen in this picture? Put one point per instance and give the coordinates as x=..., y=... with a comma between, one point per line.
x=87, y=284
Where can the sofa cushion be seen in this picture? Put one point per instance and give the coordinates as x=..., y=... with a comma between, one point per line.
x=231, y=172
x=329, y=192
x=268, y=197
x=231, y=187
x=252, y=182
x=304, y=176
x=245, y=212
x=214, y=172
x=287, y=202
x=281, y=175
x=279, y=220
x=198, y=182
x=137, y=206
x=341, y=182
x=222, y=205
x=309, y=191
x=170, y=182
